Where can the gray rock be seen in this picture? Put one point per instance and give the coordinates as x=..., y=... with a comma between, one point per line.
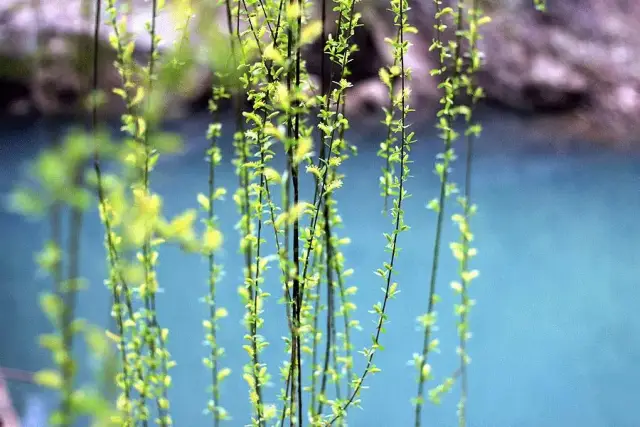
x=583, y=55
x=48, y=49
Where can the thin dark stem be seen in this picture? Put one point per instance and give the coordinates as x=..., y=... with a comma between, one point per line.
x=256, y=288
x=319, y=189
x=68, y=312
x=96, y=63
x=439, y=222
x=330, y=301
x=264, y=185
x=296, y=280
x=323, y=57
x=296, y=384
x=397, y=228
x=327, y=230
x=314, y=350
x=150, y=300
x=296, y=224
x=343, y=300
x=319, y=193
x=293, y=359
x=248, y=252
x=212, y=289
x=387, y=150
x=465, y=240
x=263, y=180
x=121, y=286
x=465, y=295
x=288, y=393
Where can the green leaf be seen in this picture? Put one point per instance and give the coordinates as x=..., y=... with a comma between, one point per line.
x=384, y=77
x=48, y=378
x=78, y=198
x=51, y=342
x=120, y=92
x=468, y=276
x=139, y=96
x=352, y=290
x=52, y=306
x=97, y=341
x=27, y=202
x=49, y=257
x=113, y=41
x=224, y=373
x=271, y=53
x=483, y=20
x=166, y=142
x=204, y=202
x=310, y=32
x=51, y=171
x=212, y=239
x=426, y=370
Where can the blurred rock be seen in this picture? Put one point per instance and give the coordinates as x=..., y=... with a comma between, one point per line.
x=49, y=50
x=582, y=55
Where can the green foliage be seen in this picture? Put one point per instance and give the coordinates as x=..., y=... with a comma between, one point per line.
x=540, y=5
x=58, y=185
x=457, y=83
x=258, y=64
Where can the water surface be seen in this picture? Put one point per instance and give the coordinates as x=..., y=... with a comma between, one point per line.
x=555, y=329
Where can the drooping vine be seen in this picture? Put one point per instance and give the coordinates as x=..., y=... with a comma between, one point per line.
x=277, y=116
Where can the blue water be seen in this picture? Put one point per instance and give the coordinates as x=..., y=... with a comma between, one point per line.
x=555, y=329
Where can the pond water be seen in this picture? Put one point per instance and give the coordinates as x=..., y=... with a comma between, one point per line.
x=556, y=324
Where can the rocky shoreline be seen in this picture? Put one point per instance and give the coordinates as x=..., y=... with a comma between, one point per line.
x=581, y=58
